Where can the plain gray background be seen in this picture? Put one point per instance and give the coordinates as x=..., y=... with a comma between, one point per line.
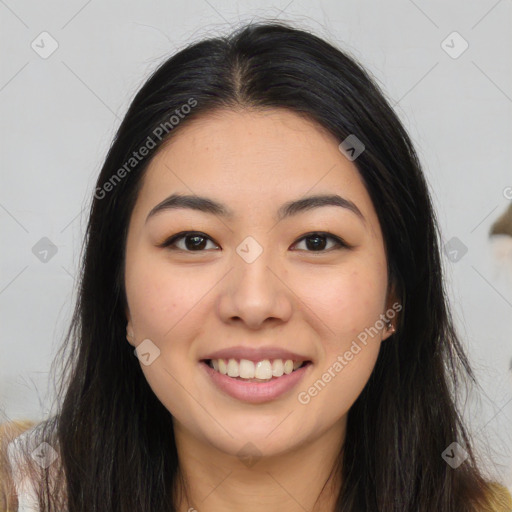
x=59, y=113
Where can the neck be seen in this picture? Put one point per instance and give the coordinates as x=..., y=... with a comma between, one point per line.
x=212, y=480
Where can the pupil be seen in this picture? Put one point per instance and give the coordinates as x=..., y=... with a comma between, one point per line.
x=315, y=246
x=195, y=245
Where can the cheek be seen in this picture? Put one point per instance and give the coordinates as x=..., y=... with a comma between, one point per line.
x=161, y=306
x=348, y=301
x=349, y=306
x=158, y=296
x=341, y=382
x=152, y=300
x=167, y=306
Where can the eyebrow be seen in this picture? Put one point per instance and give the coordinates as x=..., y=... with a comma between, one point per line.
x=207, y=205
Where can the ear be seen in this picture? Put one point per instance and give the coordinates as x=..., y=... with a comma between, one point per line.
x=386, y=333
x=393, y=307
x=129, y=329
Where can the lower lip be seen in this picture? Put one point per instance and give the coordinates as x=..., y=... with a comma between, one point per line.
x=255, y=392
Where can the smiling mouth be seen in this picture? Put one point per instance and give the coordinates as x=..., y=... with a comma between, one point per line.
x=260, y=371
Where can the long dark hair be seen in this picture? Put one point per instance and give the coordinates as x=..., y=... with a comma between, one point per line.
x=115, y=438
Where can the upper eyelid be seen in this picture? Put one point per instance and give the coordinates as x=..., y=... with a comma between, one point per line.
x=178, y=236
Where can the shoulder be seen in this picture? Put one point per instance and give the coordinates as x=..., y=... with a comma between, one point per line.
x=500, y=498
x=18, y=490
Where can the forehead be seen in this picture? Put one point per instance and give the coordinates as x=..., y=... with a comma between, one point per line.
x=252, y=160
x=256, y=138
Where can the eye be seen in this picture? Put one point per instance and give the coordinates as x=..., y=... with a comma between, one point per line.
x=319, y=241
x=195, y=241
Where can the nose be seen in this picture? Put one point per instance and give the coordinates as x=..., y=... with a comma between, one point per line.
x=255, y=293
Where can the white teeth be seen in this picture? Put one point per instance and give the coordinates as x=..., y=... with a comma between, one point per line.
x=263, y=370
x=246, y=369
x=288, y=366
x=223, y=368
x=277, y=368
x=233, y=370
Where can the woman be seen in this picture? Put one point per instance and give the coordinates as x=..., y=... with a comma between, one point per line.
x=262, y=323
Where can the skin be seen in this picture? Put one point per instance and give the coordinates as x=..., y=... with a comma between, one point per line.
x=312, y=301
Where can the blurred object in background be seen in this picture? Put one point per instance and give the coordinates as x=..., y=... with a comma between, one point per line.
x=501, y=241
x=503, y=226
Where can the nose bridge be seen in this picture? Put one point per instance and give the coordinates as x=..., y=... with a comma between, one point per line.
x=255, y=292
x=252, y=273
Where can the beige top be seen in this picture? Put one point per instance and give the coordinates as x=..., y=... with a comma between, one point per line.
x=25, y=490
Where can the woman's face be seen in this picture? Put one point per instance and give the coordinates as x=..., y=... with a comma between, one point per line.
x=250, y=282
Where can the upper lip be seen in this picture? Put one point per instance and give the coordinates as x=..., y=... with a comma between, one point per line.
x=255, y=354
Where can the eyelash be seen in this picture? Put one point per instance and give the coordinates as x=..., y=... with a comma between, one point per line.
x=169, y=242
